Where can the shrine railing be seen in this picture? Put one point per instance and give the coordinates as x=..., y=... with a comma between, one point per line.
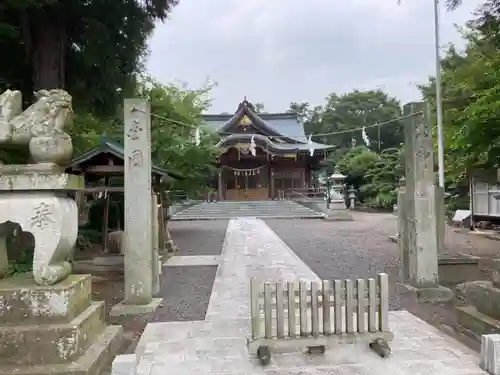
x=304, y=193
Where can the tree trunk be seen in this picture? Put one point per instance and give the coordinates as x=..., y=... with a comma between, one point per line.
x=48, y=46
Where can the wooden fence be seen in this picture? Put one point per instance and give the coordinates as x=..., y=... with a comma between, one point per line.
x=343, y=311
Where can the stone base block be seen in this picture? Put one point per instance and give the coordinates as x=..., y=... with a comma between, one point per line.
x=52, y=343
x=22, y=301
x=53, y=329
x=336, y=205
x=29, y=177
x=98, y=355
x=483, y=295
x=490, y=354
x=437, y=294
x=124, y=365
x=123, y=309
x=453, y=270
x=475, y=321
x=340, y=215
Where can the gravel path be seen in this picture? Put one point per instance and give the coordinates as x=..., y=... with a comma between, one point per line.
x=337, y=250
x=186, y=290
x=198, y=237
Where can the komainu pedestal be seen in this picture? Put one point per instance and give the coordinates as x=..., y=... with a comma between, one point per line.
x=480, y=315
x=53, y=329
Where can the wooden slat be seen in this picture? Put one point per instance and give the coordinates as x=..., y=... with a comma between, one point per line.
x=303, y=308
x=314, y=309
x=292, y=326
x=383, y=310
x=268, y=311
x=255, y=307
x=360, y=290
x=349, y=306
x=372, y=307
x=337, y=291
x=327, y=323
x=280, y=311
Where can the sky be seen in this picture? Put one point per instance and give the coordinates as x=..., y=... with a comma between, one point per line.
x=279, y=51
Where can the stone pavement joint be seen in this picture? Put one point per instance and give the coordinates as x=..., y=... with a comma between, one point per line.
x=218, y=344
x=192, y=260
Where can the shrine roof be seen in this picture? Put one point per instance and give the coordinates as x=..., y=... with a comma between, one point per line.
x=113, y=148
x=268, y=143
x=283, y=125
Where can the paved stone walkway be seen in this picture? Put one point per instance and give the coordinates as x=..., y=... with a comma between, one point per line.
x=218, y=344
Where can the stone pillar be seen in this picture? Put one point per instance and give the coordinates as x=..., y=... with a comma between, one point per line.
x=138, y=233
x=220, y=186
x=402, y=236
x=420, y=199
x=440, y=219
x=155, y=244
x=271, y=178
x=161, y=222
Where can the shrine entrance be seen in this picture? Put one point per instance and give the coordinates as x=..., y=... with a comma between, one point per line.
x=246, y=184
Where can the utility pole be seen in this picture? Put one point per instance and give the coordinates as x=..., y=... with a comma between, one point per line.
x=439, y=100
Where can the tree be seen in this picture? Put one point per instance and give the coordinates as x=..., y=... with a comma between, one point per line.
x=353, y=111
x=375, y=176
x=301, y=109
x=258, y=107
x=176, y=113
x=471, y=93
x=55, y=33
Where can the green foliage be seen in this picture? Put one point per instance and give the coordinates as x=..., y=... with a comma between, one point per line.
x=177, y=113
x=375, y=176
x=20, y=247
x=82, y=242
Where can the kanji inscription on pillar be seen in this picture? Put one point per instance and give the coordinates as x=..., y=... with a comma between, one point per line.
x=136, y=159
x=135, y=130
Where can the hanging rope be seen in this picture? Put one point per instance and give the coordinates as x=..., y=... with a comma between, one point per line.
x=245, y=171
x=298, y=136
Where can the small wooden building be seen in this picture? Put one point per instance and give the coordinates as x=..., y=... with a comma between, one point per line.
x=283, y=160
x=103, y=170
x=107, y=160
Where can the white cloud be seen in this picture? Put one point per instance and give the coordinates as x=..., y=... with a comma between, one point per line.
x=289, y=50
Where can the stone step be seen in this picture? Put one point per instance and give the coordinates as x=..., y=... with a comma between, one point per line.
x=28, y=301
x=258, y=209
x=52, y=343
x=259, y=212
x=96, y=357
x=194, y=218
x=251, y=214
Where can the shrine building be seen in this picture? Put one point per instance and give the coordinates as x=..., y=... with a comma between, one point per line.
x=264, y=155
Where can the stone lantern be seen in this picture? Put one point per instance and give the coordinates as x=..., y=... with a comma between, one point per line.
x=336, y=191
x=352, y=198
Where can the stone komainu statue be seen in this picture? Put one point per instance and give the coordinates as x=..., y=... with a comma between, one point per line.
x=40, y=126
x=35, y=195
